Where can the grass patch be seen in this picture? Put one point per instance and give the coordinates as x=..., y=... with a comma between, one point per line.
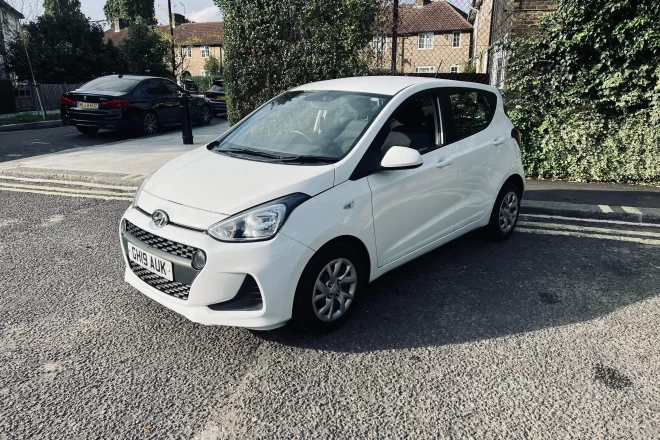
x=28, y=117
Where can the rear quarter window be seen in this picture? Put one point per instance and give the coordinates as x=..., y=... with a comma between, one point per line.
x=471, y=111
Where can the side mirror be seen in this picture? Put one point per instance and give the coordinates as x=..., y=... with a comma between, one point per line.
x=401, y=158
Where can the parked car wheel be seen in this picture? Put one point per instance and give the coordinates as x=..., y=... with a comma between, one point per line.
x=504, y=217
x=206, y=116
x=149, y=124
x=329, y=288
x=87, y=130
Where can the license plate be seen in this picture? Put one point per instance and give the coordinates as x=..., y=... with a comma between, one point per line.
x=150, y=262
x=221, y=98
x=88, y=105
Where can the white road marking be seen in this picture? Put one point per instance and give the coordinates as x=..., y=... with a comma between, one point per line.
x=57, y=189
x=597, y=236
x=83, y=196
x=591, y=220
x=67, y=182
x=129, y=176
x=139, y=177
x=589, y=229
x=40, y=143
x=606, y=209
x=631, y=210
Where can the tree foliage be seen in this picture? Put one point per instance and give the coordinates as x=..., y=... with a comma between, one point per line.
x=213, y=66
x=273, y=45
x=63, y=45
x=586, y=92
x=61, y=7
x=144, y=50
x=130, y=10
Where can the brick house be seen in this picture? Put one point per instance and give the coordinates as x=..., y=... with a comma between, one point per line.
x=507, y=20
x=194, y=43
x=434, y=36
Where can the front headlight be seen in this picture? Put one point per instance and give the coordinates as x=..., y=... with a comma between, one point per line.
x=262, y=222
x=139, y=190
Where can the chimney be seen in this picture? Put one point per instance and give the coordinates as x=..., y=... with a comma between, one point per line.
x=120, y=23
x=421, y=3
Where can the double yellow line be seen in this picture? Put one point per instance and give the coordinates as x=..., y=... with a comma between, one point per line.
x=65, y=188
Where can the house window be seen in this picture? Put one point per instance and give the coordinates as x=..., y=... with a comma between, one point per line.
x=453, y=69
x=189, y=51
x=456, y=40
x=380, y=44
x=425, y=40
x=206, y=51
x=425, y=69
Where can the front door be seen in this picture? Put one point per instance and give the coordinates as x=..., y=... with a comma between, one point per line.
x=414, y=208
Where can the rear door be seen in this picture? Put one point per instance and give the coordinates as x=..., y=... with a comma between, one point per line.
x=171, y=100
x=480, y=145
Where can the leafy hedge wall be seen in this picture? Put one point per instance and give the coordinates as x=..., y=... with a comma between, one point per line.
x=586, y=92
x=273, y=45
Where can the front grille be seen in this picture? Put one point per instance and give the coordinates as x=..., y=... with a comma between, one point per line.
x=172, y=288
x=160, y=243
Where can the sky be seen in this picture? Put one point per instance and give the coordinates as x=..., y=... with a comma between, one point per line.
x=195, y=10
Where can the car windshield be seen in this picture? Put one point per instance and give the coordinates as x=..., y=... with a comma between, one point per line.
x=111, y=84
x=317, y=126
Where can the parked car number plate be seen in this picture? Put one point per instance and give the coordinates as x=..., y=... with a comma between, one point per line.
x=88, y=104
x=150, y=262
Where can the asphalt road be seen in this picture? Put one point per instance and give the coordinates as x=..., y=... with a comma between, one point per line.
x=23, y=144
x=552, y=334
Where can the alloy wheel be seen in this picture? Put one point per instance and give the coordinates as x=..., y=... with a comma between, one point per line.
x=206, y=115
x=150, y=124
x=334, y=290
x=508, y=212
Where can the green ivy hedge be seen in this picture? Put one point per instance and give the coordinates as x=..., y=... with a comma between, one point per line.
x=586, y=92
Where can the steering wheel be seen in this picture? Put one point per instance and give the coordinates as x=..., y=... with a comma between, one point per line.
x=300, y=133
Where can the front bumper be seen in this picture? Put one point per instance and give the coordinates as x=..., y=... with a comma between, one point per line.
x=218, y=105
x=275, y=265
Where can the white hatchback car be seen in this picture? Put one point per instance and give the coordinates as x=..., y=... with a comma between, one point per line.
x=294, y=210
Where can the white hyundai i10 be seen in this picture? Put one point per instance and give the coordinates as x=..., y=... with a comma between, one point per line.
x=293, y=211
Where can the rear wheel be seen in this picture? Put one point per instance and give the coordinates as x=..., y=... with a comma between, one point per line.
x=149, y=124
x=87, y=130
x=329, y=288
x=504, y=218
x=206, y=116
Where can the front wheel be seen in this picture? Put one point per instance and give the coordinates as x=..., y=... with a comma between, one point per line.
x=206, y=116
x=504, y=218
x=90, y=131
x=329, y=288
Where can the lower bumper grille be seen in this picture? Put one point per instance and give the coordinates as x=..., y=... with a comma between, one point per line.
x=172, y=288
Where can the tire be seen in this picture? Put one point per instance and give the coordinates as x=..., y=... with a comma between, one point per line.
x=150, y=124
x=206, y=115
x=324, y=315
x=90, y=131
x=506, y=211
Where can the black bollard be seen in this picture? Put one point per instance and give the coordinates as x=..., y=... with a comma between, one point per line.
x=186, y=125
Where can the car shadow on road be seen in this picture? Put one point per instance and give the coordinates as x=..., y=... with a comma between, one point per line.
x=471, y=290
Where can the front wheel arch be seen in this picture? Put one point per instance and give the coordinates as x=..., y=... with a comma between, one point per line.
x=356, y=244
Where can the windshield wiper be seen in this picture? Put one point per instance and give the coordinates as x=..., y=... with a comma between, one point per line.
x=309, y=159
x=249, y=152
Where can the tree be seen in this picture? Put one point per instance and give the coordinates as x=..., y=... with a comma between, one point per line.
x=273, y=45
x=61, y=7
x=145, y=50
x=213, y=66
x=130, y=10
x=63, y=45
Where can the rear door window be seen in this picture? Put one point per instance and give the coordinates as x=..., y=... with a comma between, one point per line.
x=470, y=112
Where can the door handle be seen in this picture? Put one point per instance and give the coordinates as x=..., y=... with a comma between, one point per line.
x=443, y=163
x=499, y=141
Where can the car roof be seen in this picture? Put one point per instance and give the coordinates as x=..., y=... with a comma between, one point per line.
x=382, y=85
